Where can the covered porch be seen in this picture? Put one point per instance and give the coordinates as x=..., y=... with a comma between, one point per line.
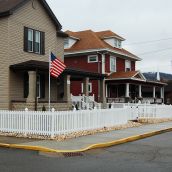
x=132, y=87
x=29, y=86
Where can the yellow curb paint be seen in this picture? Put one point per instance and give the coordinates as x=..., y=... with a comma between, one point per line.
x=93, y=146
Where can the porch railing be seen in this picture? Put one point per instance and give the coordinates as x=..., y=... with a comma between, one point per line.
x=85, y=102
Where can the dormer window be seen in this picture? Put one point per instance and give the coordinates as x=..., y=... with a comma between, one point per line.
x=119, y=44
x=66, y=43
x=113, y=42
x=127, y=65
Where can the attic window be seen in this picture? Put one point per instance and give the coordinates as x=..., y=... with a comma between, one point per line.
x=117, y=43
x=66, y=43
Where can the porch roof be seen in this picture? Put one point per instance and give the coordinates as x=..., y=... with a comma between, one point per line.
x=131, y=76
x=44, y=66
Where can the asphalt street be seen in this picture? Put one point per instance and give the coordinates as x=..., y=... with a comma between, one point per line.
x=146, y=155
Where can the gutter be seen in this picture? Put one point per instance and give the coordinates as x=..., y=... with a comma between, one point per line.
x=105, y=49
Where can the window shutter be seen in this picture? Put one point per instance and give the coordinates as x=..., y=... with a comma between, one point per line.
x=42, y=43
x=25, y=39
x=26, y=85
x=42, y=85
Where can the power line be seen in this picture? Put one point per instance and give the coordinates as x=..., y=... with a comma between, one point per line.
x=155, y=51
x=147, y=42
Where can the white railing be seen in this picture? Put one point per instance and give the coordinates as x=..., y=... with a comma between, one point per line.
x=61, y=122
x=85, y=102
x=150, y=110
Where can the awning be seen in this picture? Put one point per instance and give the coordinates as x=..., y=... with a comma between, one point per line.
x=34, y=65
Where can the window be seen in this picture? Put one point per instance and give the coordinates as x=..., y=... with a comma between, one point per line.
x=34, y=41
x=127, y=65
x=112, y=64
x=89, y=87
x=115, y=42
x=119, y=44
x=66, y=43
x=92, y=59
x=30, y=40
x=37, y=42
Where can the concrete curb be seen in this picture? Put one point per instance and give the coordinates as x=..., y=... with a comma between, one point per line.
x=93, y=146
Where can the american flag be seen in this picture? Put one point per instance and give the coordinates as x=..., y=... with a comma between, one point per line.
x=56, y=66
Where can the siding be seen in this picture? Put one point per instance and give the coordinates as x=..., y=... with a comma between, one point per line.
x=11, y=51
x=81, y=62
x=4, y=93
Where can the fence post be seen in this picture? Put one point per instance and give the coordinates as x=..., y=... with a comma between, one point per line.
x=52, y=122
x=26, y=122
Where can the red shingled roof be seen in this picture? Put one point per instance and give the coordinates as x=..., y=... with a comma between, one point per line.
x=108, y=33
x=89, y=40
x=124, y=75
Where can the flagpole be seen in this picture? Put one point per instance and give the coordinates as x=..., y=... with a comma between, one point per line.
x=49, y=106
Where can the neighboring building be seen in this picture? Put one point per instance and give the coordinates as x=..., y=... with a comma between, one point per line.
x=102, y=52
x=165, y=77
x=29, y=30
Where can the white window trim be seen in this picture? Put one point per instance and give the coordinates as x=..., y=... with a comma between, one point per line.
x=89, y=86
x=32, y=38
x=39, y=41
x=112, y=57
x=126, y=65
x=92, y=56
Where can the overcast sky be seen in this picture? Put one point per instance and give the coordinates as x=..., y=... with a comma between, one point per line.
x=140, y=22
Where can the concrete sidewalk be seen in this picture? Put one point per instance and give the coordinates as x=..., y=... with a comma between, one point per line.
x=86, y=141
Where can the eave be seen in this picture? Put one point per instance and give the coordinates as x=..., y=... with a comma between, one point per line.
x=102, y=50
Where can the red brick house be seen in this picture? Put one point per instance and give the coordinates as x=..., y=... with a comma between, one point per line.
x=102, y=52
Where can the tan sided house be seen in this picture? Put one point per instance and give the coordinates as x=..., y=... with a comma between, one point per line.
x=28, y=30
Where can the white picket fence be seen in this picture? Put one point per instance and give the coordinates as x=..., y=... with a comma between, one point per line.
x=64, y=122
x=151, y=111
x=61, y=122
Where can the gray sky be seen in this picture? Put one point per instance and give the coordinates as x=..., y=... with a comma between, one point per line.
x=136, y=20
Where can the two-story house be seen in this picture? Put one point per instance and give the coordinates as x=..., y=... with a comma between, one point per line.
x=102, y=52
x=29, y=30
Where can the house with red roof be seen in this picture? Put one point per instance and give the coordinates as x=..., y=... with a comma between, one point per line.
x=102, y=52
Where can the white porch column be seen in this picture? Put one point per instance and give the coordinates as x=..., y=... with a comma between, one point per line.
x=127, y=88
x=154, y=90
x=162, y=92
x=106, y=90
x=140, y=91
x=32, y=86
x=102, y=91
x=67, y=95
x=85, y=86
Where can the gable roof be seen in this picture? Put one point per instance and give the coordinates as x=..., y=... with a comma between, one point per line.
x=127, y=75
x=132, y=75
x=7, y=7
x=108, y=34
x=90, y=40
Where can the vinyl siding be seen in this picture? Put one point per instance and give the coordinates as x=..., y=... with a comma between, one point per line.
x=11, y=49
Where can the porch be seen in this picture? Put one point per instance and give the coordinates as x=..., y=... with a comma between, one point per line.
x=134, y=89
x=29, y=86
